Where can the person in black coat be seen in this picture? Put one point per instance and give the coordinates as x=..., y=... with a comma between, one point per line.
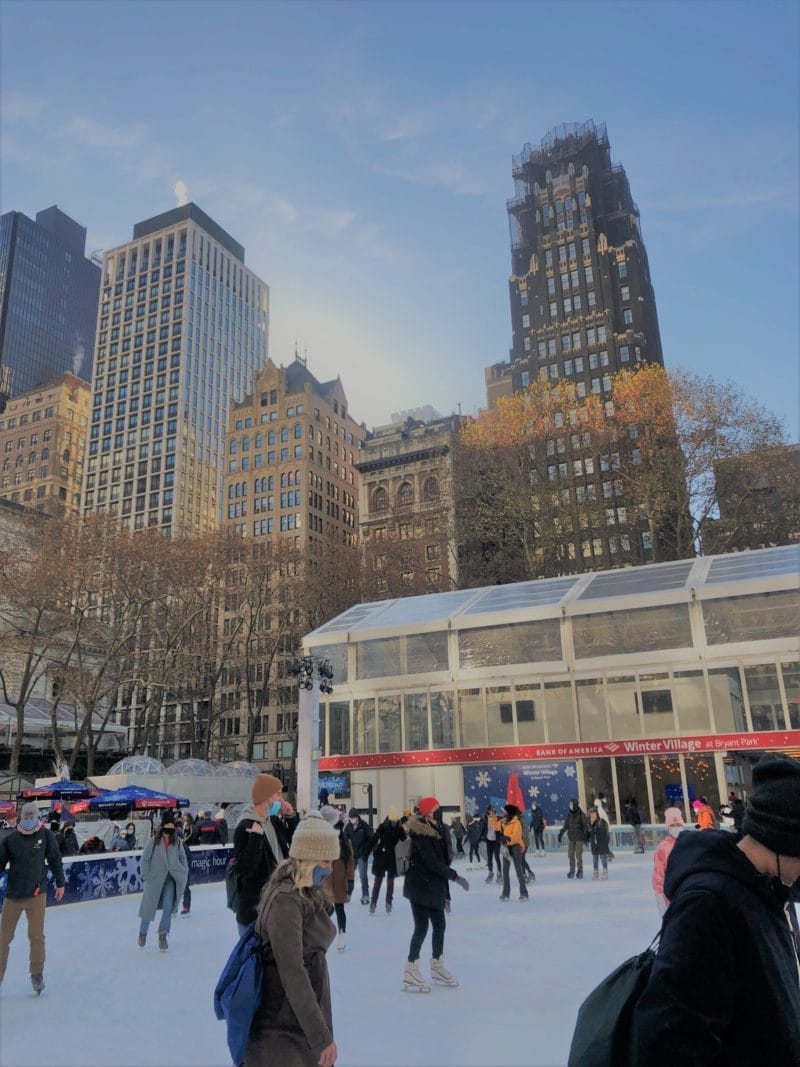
x=67, y=841
x=384, y=865
x=576, y=827
x=205, y=831
x=537, y=828
x=598, y=840
x=724, y=986
x=426, y=886
x=474, y=832
x=260, y=842
x=361, y=841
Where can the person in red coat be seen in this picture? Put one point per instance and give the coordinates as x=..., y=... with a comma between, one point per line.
x=673, y=819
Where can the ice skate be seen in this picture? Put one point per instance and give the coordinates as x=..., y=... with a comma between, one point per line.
x=504, y=898
x=489, y=878
x=579, y=874
x=37, y=981
x=341, y=942
x=388, y=909
x=372, y=908
x=524, y=896
x=595, y=876
x=162, y=941
x=413, y=982
x=604, y=876
x=185, y=912
x=365, y=900
x=142, y=940
x=499, y=879
x=441, y=975
x=570, y=874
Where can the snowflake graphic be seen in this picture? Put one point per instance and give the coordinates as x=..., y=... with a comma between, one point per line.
x=128, y=875
x=471, y=805
x=569, y=772
x=104, y=882
x=533, y=791
x=554, y=797
x=483, y=778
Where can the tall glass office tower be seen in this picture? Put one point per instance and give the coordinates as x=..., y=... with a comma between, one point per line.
x=182, y=328
x=48, y=301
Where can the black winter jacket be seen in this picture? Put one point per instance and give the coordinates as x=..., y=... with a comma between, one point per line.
x=255, y=862
x=360, y=837
x=725, y=985
x=537, y=820
x=475, y=832
x=428, y=871
x=383, y=859
x=28, y=856
x=576, y=826
x=598, y=837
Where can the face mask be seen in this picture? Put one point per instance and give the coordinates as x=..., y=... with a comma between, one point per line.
x=573, y=807
x=673, y=831
x=320, y=874
x=274, y=808
x=168, y=830
x=29, y=824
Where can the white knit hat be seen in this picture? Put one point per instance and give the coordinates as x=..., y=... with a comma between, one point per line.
x=315, y=839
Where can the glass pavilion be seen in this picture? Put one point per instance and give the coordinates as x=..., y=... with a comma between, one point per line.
x=659, y=683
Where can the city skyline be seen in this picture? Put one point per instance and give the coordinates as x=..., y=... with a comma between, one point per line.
x=363, y=156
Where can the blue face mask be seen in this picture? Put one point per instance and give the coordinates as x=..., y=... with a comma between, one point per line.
x=320, y=874
x=274, y=808
x=29, y=824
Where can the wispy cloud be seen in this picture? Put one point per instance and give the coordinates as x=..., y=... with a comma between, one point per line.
x=406, y=127
x=100, y=135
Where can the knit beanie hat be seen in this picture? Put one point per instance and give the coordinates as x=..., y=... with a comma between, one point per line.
x=773, y=810
x=265, y=786
x=29, y=811
x=168, y=817
x=673, y=815
x=353, y=813
x=331, y=815
x=314, y=839
x=427, y=806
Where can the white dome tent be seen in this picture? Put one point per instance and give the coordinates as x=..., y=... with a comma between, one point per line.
x=193, y=768
x=137, y=765
x=207, y=785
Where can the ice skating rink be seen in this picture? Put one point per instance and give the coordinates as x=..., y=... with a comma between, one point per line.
x=523, y=969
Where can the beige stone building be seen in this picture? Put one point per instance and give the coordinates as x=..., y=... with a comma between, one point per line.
x=43, y=446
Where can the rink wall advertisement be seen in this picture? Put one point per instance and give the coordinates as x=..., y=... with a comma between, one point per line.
x=116, y=874
x=550, y=785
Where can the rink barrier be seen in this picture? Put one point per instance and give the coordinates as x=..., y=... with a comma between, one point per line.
x=118, y=874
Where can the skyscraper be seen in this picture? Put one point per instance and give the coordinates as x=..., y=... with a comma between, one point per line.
x=182, y=328
x=582, y=302
x=48, y=300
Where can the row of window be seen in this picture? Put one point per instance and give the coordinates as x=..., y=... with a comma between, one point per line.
x=405, y=494
x=296, y=409
x=35, y=416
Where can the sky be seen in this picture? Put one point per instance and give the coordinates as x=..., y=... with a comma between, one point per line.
x=362, y=154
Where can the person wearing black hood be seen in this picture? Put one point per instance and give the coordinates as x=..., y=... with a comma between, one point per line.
x=576, y=827
x=725, y=984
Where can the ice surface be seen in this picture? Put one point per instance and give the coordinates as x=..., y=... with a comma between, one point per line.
x=523, y=969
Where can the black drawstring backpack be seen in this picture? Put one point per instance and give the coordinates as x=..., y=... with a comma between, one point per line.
x=602, y=1035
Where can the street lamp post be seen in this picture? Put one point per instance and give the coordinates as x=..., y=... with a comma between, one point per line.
x=313, y=677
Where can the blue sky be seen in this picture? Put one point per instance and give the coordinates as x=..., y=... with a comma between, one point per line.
x=362, y=154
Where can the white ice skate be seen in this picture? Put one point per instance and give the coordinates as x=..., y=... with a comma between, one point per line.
x=441, y=975
x=341, y=942
x=413, y=982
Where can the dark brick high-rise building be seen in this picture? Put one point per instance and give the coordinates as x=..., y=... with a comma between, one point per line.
x=582, y=302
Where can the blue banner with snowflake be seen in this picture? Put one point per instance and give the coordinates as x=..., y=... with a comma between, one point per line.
x=551, y=785
x=116, y=874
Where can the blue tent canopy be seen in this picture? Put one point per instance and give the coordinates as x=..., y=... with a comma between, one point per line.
x=55, y=790
x=135, y=797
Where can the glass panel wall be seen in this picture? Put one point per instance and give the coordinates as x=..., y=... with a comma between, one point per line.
x=615, y=633
x=597, y=779
x=443, y=720
x=791, y=683
x=701, y=779
x=523, y=642
x=762, y=617
x=766, y=707
x=632, y=782
x=623, y=707
x=389, y=739
x=395, y=656
x=416, y=721
x=560, y=715
x=500, y=715
x=471, y=717
x=727, y=700
x=657, y=708
x=339, y=728
x=530, y=714
x=337, y=657
x=364, y=725
x=591, y=709
x=691, y=702
x=665, y=776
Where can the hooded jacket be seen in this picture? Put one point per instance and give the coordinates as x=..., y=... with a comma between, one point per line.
x=725, y=985
x=387, y=837
x=428, y=871
x=576, y=826
x=257, y=856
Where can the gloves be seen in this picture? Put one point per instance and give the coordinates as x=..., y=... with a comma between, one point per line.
x=461, y=881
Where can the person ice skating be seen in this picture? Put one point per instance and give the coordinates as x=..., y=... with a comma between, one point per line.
x=222, y=826
x=293, y=1026
x=343, y=872
x=526, y=844
x=384, y=865
x=511, y=836
x=425, y=887
x=458, y=830
x=724, y=988
x=635, y=820
x=598, y=841
x=704, y=815
x=205, y=831
x=493, y=836
x=474, y=832
x=28, y=851
x=260, y=842
x=67, y=841
x=537, y=828
x=164, y=873
x=361, y=840
x=737, y=814
x=673, y=820
x=186, y=902
x=576, y=827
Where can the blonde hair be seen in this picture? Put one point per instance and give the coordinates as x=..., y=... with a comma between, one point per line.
x=300, y=874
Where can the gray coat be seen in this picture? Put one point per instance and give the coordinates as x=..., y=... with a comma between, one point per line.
x=294, y=1022
x=157, y=864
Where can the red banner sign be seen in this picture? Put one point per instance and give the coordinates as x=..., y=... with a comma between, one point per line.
x=640, y=746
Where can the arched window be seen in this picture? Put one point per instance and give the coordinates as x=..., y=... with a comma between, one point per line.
x=245, y=444
x=380, y=500
x=284, y=433
x=259, y=441
x=431, y=489
x=297, y=477
x=234, y=447
x=405, y=495
x=271, y=437
x=298, y=429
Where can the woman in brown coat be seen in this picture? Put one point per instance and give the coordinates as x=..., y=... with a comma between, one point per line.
x=342, y=880
x=293, y=1025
